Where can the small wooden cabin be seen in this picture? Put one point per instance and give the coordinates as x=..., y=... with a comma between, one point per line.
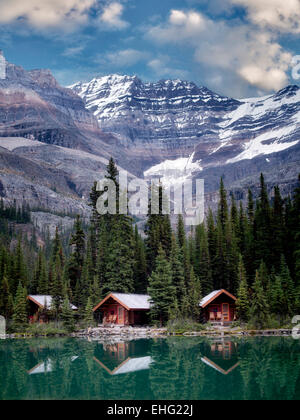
x=123, y=309
x=37, y=304
x=219, y=307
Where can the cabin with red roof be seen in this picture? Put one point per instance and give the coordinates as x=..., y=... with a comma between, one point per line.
x=219, y=307
x=123, y=309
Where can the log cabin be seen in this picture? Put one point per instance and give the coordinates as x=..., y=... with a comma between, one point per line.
x=37, y=306
x=123, y=309
x=219, y=307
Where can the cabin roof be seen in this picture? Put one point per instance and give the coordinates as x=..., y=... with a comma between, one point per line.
x=213, y=295
x=217, y=367
x=129, y=365
x=129, y=301
x=41, y=299
x=134, y=365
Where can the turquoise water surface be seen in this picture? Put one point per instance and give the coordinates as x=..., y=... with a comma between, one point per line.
x=164, y=369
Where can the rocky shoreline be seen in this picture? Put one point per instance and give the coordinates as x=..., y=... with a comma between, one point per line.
x=147, y=332
x=134, y=333
x=122, y=332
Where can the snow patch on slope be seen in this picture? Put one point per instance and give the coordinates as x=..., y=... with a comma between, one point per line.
x=259, y=107
x=257, y=147
x=172, y=172
x=13, y=143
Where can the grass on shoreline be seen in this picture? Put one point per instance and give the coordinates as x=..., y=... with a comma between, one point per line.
x=41, y=330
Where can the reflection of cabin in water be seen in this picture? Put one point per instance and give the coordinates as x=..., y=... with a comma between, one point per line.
x=222, y=356
x=38, y=306
x=47, y=366
x=121, y=358
x=123, y=309
x=219, y=307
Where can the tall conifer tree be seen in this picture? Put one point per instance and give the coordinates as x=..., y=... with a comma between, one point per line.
x=161, y=289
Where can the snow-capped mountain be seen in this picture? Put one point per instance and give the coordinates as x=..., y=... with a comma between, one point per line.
x=55, y=142
x=175, y=128
x=168, y=114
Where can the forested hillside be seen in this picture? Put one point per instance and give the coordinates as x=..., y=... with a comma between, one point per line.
x=253, y=252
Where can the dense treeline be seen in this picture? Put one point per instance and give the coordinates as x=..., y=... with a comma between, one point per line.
x=252, y=251
x=14, y=213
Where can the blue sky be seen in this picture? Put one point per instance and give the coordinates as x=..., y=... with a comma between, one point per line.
x=235, y=47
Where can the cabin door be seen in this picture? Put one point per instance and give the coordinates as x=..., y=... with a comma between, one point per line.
x=121, y=315
x=225, y=311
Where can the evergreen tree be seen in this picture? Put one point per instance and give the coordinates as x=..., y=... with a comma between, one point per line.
x=75, y=264
x=178, y=279
x=161, y=289
x=158, y=229
x=278, y=228
x=232, y=256
x=57, y=249
x=288, y=289
x=6, y=299
x=212, y=238
x=223, y=206
x=20, y=308
x=259, y=309
x=120, y=258
x=102, y=253
x=67, y=316
x=140, y=264
x=242, y=302
x=263, y=227
x=264, y=275
x=181, y=231
x=234, y=219
x=195, y=296
x=83, y=285
x=57, y=289
x=242, y=231
x=95, y=292
x=276, y=295
x=20, y=271
x=89, y=314
x=186, y=263
x=202, y=265
x=221, y=280
x=39, y=285
x=250, y=208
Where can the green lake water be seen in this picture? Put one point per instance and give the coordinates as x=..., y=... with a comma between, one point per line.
x=163, y=369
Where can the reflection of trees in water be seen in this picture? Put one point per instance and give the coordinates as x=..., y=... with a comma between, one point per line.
x=178, y=371
x=183, y=368
x=270, y=368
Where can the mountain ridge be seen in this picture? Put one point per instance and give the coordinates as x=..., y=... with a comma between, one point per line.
x=174, y=119
x=170, y=129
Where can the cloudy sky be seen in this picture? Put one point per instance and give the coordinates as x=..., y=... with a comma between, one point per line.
x=234, y=47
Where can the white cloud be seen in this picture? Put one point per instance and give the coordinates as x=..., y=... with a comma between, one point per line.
x=257, y=58
x=112, y=16
x=252, y=54
x=65, y=15
x=180, y=26
x=282, y=15
x=43, y=14
x=122, y=58
x=161, y=67
x=73, y=51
